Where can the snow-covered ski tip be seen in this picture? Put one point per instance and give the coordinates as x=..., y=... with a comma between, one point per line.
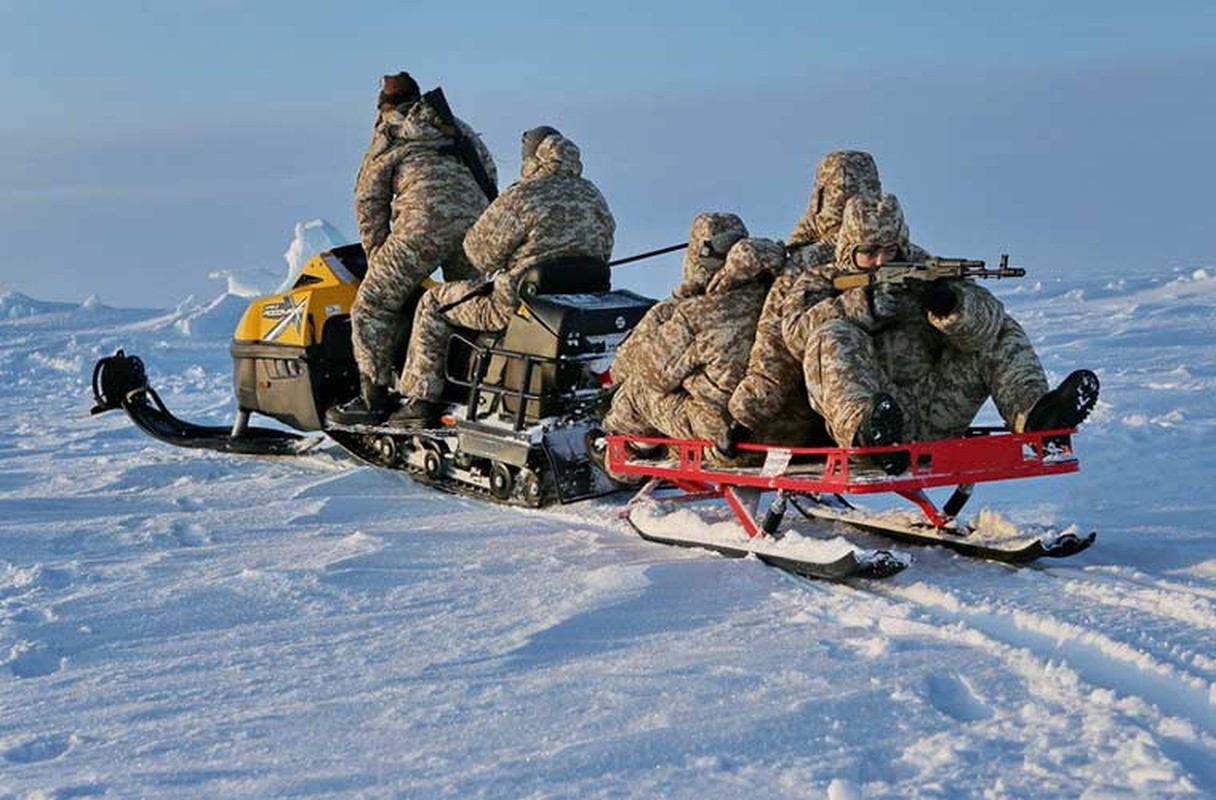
x=809, y=557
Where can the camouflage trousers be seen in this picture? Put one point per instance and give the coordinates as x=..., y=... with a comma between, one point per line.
x=845, y=369
x=785, y=418
x=639, y=411
x=378, y=319
x=427, y=355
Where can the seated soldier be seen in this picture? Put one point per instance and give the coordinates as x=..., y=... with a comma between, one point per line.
x=550, y=214
x=770, y=404
x=711, y=237
x=692, y=362
x=889, y=363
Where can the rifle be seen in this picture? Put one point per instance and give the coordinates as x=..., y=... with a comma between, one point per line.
x=464, y=148
x=897, y=272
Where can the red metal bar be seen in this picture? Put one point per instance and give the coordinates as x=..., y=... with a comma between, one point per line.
x=948, y=462
x=741, y=512
x=936, y=518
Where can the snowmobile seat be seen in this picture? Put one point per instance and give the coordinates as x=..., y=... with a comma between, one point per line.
x=546, y=360
x=566, y=275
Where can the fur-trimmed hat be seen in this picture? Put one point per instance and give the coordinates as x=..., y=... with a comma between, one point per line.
x=397, y=90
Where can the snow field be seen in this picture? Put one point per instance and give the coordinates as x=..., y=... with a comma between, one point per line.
x=181, y=623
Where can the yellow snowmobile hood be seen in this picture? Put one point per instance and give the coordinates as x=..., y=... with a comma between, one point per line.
x=324, y=289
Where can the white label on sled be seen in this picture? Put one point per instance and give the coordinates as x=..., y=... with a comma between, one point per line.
x=775, y=462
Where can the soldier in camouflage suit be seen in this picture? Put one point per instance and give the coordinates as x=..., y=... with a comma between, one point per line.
x=770, y=401
x=414, y=201
x=550, y=214
x=693, y=361
x=709, y=240
x=887, y=363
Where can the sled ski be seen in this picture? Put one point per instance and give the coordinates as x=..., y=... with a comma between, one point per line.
x=120, y=381
x=961, y=539
x=853, y=563
x=815, y=481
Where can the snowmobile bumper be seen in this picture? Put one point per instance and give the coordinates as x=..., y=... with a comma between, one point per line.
x=120, y=381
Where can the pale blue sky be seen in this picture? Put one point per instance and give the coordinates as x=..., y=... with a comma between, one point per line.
x=146, y=144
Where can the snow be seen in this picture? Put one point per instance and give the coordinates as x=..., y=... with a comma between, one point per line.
x=182, y=623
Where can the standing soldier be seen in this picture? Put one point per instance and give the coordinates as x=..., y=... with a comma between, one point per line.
x=415, y=198
x=551, y=216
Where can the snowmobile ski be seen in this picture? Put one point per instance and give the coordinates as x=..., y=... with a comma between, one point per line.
x=120, y=381
x=853, y=563
x=960, y=539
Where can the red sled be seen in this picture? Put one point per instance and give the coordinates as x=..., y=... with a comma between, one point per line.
x=816, y=479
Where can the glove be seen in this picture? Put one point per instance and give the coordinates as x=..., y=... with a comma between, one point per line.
x=729, y=444
x=938, y=297
x=884, y=300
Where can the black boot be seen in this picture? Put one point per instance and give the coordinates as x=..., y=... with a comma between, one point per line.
x=597, y=452
x=414, y=413
x=1065, y=406
x=884, y=426
x=736, y=432
x=370, y=407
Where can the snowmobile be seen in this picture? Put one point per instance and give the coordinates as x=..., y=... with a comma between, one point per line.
x=521, y=402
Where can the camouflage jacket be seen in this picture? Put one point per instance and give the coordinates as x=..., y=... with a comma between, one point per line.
x=550, y=212
x=908, y=341
x=411, y=174
x=771, y=400
x=633, y=351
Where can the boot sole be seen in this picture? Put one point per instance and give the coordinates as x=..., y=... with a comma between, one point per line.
x=1069, y=404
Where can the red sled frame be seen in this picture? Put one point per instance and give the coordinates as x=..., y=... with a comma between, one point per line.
x=985, y=454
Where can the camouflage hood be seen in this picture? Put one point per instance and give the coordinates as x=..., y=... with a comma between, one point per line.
x=749, y=261
x=712, y=235
x=413, y=125
x=840, y=175
x=555, y=155
x=869, y=220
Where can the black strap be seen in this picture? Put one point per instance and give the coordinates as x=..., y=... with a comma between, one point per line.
x=481, y=290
